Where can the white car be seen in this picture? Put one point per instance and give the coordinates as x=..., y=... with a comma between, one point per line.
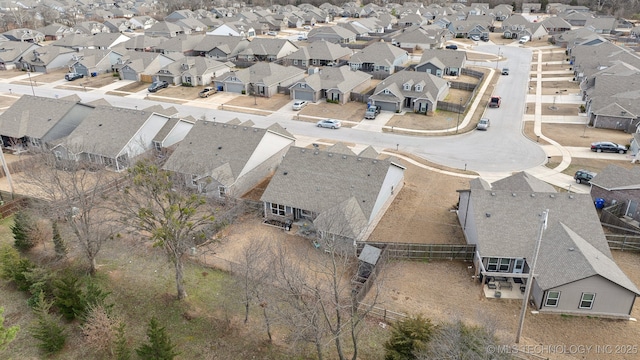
x=272, y=33
x=307, y=27
x=299, y=104
x=329, y=123
x=524, y=39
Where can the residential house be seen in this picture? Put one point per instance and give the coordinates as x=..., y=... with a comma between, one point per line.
x=576, y=18
x=140, y=66
x=111, y=136
x=379, y=58
x=94, y=61
x=25, y=35
x=318, y=53
x=261, y=79
x=221, y=47
x=412, y=90
x=55, y=31
x=143, y=43
x=412, y=20
x=234, y=29
x=556, y=25
x=502, y=11
x=227, y=159
x=333, y=34
x=34, y=121
x=335, y=84
x=469, y=28
x=47, y=58
x=618, y=185
x=12, y=52
x=419, y=38
x=266, y=49
x=193, y=25
x=575, y=273
x=517, y=26
x=166, y=29
x=174, y=131
x=442, y=62
x=182, y=44
x=142, y=22
x=195, y=71
x=335, y=192
x=90, y=28
x=602, y=25
x=117, y=25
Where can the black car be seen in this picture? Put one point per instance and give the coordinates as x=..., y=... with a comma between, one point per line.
x=583, y=176
x=452, y=47
x=607, y=146
x=73, y=76
x=157, y=85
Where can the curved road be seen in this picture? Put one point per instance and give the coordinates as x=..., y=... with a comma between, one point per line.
x=501, y=149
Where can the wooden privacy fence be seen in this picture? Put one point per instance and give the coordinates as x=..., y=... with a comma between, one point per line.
x=361, y=286
x=11, y=207
x=385, y=314
x=406, y=251
x=623, y=242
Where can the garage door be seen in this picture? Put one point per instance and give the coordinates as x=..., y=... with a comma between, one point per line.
x=235, y=88
x=303, y=95
x=387, y=106
x=129, y=75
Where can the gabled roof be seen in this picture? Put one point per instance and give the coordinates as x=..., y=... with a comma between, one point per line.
x=446, y=57
x=219, y=150
x=379, y=53
x=342, y=78
x=266, y=73
x=268, y=46
x=180, y=43
x=320, y=50
x=225, y=43
x=33, y=116
x=615, y=177
x=394, y=84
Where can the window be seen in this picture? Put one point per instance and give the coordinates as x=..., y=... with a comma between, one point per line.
x=492, y=264
x=222, y=191
x=418, y=87
x=504, y=265
x=194, y=179
x=586, y=302
x=295, y=62
x=386, y=91
x=407, y=87
x=277, y=209
x=552, y=298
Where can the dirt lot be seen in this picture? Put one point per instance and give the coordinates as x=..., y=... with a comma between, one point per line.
x=554, y=109
x=268, y=104
x=351, y=111
x=89, y=82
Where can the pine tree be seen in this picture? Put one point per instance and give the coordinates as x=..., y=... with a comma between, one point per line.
x=6, y=334
x=59, y=244
x=407, y=337
x=21, y=229
x=122, y=350
x=68, y=296
x=47, y=328
x=159, y=346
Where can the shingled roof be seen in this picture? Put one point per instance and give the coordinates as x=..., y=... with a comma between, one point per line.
x=33, y=116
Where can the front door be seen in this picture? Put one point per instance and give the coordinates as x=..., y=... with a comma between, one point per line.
x=518, y=267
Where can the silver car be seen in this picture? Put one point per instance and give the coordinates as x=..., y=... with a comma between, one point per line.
x=330, y=123
x=483, y=124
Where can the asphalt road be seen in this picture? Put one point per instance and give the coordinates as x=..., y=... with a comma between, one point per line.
x=503, y=148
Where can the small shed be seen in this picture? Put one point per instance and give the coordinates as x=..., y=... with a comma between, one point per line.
x=367, y=260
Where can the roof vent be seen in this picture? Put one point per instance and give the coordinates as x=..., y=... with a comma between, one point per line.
x=235, y=126
x=513, y=194
x=344, y=156
x=143, y=113
x=330, y=155
x=570, y=196
x=285, y=173
x=493, y=194
x=316, y=153
x=219, y=147
x=571, y=249
x=552, y=196
x=99, y=124
x=359, y=159
x=245, y=128
x=533, y=195
x=303, y=150
x=487, y=215
x=255, y=130
x=224, y=125
x=375, y=161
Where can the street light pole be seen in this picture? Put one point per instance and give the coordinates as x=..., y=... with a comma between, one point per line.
x=31, y=83
x=498, y=58
x=459, y=111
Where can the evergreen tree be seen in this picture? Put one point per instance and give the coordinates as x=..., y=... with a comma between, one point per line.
x=6, y=334
x=122, y=350
x=21, y=229
x=408, y=337
x=47, y=328
x=59, y=244
x=159, y=346
x=68, y=296
x=95, y=296
x=14, y=267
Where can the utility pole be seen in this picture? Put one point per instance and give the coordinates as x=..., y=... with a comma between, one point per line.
x=459, y=111
x=527, y=291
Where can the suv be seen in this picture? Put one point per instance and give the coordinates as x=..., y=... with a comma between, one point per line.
x=73, y=76
x=495, y=102
x=583, y=176
x=452, y=47
x=505, y=71
x=372, y=112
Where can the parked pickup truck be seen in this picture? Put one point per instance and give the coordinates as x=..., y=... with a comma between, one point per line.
x=372, y=112
x=495, y=101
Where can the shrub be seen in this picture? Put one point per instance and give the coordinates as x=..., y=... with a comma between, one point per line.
x=159, y=346
x=583, y=109
x=68, y=296
x=6, y=334
x=244, y=92
x=99, y=329
x=47, y=328
x=407, y=337
x=14, y=268
x=22, y=227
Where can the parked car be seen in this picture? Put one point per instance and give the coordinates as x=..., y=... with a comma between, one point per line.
x=272, y=33
x=583, y=176
x=505, y=71
x=483, y=124
x=495, y=101
x=607, y=146
x=452, y=47
x=372, y=112
x=73, y=76
x=299, y=104
x=329, y=123
x=157, y=85
x=484, y=38
x=524, y=39
x=209, y=90
x=307, y=27
x=475, y=38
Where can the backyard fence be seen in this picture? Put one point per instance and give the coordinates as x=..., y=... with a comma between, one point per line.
x=623, y=242
x=361, y=286
x=384, y=314
x=13, y=206
x=406, y=251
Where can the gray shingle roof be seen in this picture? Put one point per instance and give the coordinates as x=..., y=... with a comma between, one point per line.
x=379, y=53
x=615, y=177
x=33, y=116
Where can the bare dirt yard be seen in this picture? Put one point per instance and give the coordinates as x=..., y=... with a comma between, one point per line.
x=351, y=111
x=89, y=83
x=554, y=109
x=273, y=103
